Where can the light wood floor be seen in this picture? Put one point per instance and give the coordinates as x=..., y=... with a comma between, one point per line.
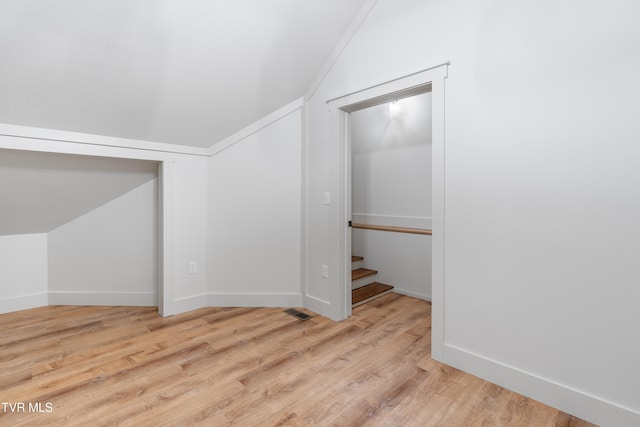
x=244, y=367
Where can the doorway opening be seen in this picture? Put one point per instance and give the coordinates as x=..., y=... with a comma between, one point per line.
x=390, y=194
x=429, y=80
x=82, y=215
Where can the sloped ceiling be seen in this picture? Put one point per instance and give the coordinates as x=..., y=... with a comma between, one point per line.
x=42, y=191
x=188, y=72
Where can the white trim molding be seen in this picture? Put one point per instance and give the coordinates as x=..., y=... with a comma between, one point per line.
x=424, y=297
x=316, y=304
x=255, y=127
x=194, y=302
x=146, y=299
x=231, y=299
x=23, y=302
x=591, y=408
x=405, y=86
x=96, y=140
x=351, y=31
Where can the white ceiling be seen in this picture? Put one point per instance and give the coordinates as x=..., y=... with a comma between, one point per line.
x=42, y=191
x=188, y=72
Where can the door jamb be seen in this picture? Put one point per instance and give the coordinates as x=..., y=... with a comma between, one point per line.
x=165, y=240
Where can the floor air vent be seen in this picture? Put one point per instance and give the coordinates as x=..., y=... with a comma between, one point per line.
x=300, y=315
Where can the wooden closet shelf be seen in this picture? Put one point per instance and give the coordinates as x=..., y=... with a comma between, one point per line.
x=423, y=231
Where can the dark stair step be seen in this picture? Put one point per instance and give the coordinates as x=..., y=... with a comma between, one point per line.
x=355, y=258
x=359, y=273
x=368, y=293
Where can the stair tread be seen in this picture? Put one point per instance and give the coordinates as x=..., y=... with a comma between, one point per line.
x=369, y=291
x=359, y=273
x=356, y=258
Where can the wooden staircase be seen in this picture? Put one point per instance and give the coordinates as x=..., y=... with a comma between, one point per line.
x=363, y=286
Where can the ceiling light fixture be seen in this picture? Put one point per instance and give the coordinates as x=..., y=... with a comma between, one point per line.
x=393, y=108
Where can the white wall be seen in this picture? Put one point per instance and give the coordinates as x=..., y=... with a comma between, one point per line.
x=391, y=158
x=23, y=271
x=190, y=231
x=541, y=153
x=391, y=185
x=254, y=228
x=109, y=255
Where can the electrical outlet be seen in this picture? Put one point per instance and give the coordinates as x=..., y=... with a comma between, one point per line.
x=193, y=267
x=327, y=198
x=325, y=271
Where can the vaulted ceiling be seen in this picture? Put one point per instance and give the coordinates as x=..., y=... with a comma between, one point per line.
x=188, y=72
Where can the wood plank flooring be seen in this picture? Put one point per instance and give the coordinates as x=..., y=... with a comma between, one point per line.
x=243, y=367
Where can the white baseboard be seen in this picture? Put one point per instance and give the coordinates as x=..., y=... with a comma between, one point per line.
x=186, y=304
x=566, y=399
x=183, y=305
x=317, y=305
x=412, y=294
x=23, y=302
x=147, y=299
x=229, y=299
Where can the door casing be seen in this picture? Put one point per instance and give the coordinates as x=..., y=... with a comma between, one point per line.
x=431, y=80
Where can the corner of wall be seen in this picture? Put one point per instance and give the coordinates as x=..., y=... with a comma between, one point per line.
x=253, y=220
x=23, y=272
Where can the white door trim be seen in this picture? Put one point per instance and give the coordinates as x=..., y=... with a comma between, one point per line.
x=430, y=79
